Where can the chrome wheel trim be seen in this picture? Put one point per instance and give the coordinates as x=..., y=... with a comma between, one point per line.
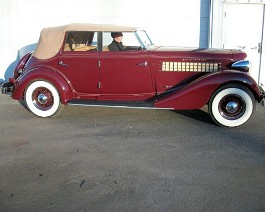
x=232, y=107
x=244, y=112
x=42, y=98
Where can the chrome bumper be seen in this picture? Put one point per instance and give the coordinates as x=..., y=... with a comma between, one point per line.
x=262, y=94
x=7, y=87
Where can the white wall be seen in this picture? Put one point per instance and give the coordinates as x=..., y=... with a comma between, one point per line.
x=217, y=33
x=169, y=22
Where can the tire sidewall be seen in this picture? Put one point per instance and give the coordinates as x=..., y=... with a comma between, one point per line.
x=240, y=91
x=30, y=105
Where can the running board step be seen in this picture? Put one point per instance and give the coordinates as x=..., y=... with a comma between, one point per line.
x=122, y=104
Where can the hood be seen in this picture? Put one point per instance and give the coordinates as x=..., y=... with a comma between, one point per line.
x=223, y=56
x=190, y=50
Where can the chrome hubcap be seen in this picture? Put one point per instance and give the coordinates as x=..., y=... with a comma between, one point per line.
x=42, y=98
x=232, y=107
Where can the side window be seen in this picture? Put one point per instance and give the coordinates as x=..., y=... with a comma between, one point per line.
x=80, y=41
x=106, y=40
x=129, y=41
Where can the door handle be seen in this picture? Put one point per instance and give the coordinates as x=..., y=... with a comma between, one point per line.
x=259, y=48
x=62, y=64
x=142, y=64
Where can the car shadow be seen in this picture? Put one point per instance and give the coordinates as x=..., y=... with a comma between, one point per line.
x=199, y=115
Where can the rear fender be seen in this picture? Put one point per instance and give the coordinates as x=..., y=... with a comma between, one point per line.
x=46, y=74
x=197, y=93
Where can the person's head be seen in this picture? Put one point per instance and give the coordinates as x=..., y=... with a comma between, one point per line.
x=117, y=36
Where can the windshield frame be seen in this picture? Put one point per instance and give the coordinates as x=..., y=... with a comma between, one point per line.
x=145, y=46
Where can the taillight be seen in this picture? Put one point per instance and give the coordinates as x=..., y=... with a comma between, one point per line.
x=21, y=64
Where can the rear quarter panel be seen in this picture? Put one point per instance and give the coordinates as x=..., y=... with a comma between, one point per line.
x=43, y=73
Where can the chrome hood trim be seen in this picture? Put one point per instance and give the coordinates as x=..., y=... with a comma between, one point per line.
x=192, y=49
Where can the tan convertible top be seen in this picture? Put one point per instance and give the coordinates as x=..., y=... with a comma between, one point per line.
x=51, y=38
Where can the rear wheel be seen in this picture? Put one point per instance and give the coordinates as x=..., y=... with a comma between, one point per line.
x=232, y=105
x=42, y=98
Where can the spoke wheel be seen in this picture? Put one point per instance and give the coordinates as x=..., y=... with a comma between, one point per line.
x=42, y=98
x=232, y=105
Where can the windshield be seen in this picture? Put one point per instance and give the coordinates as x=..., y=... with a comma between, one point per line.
x=144, y=39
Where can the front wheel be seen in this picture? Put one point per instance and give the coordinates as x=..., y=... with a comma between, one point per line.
x=42, y=98
x=232, y=105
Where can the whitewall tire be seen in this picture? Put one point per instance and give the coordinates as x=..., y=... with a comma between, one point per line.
x=42, y=98
x=232, y=105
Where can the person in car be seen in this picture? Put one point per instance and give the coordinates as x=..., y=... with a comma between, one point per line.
x=116, y=44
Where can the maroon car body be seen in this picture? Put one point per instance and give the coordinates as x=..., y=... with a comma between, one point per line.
x=67, y=69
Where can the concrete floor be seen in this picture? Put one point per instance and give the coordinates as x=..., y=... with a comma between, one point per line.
x=103, y=159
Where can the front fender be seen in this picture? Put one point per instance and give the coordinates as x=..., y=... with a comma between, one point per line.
x=197, y=93
x=43, y=73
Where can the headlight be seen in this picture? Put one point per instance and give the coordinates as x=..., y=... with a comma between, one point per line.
x=241, y=65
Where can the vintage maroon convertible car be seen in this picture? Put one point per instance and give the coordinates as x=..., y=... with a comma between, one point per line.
x=73, y=64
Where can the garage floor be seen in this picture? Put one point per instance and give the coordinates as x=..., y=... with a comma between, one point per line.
x=103, y=159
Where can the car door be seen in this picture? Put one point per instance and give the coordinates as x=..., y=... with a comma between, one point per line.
x=79, y=63
x=125, y=75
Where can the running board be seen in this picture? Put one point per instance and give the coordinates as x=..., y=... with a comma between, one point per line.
x=118, y=104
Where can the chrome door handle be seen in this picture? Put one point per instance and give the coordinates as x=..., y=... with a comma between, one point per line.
x=259, y=47
x=62, y=64
x=142, y=64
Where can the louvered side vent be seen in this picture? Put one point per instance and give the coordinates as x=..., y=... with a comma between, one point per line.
x=191, y=67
